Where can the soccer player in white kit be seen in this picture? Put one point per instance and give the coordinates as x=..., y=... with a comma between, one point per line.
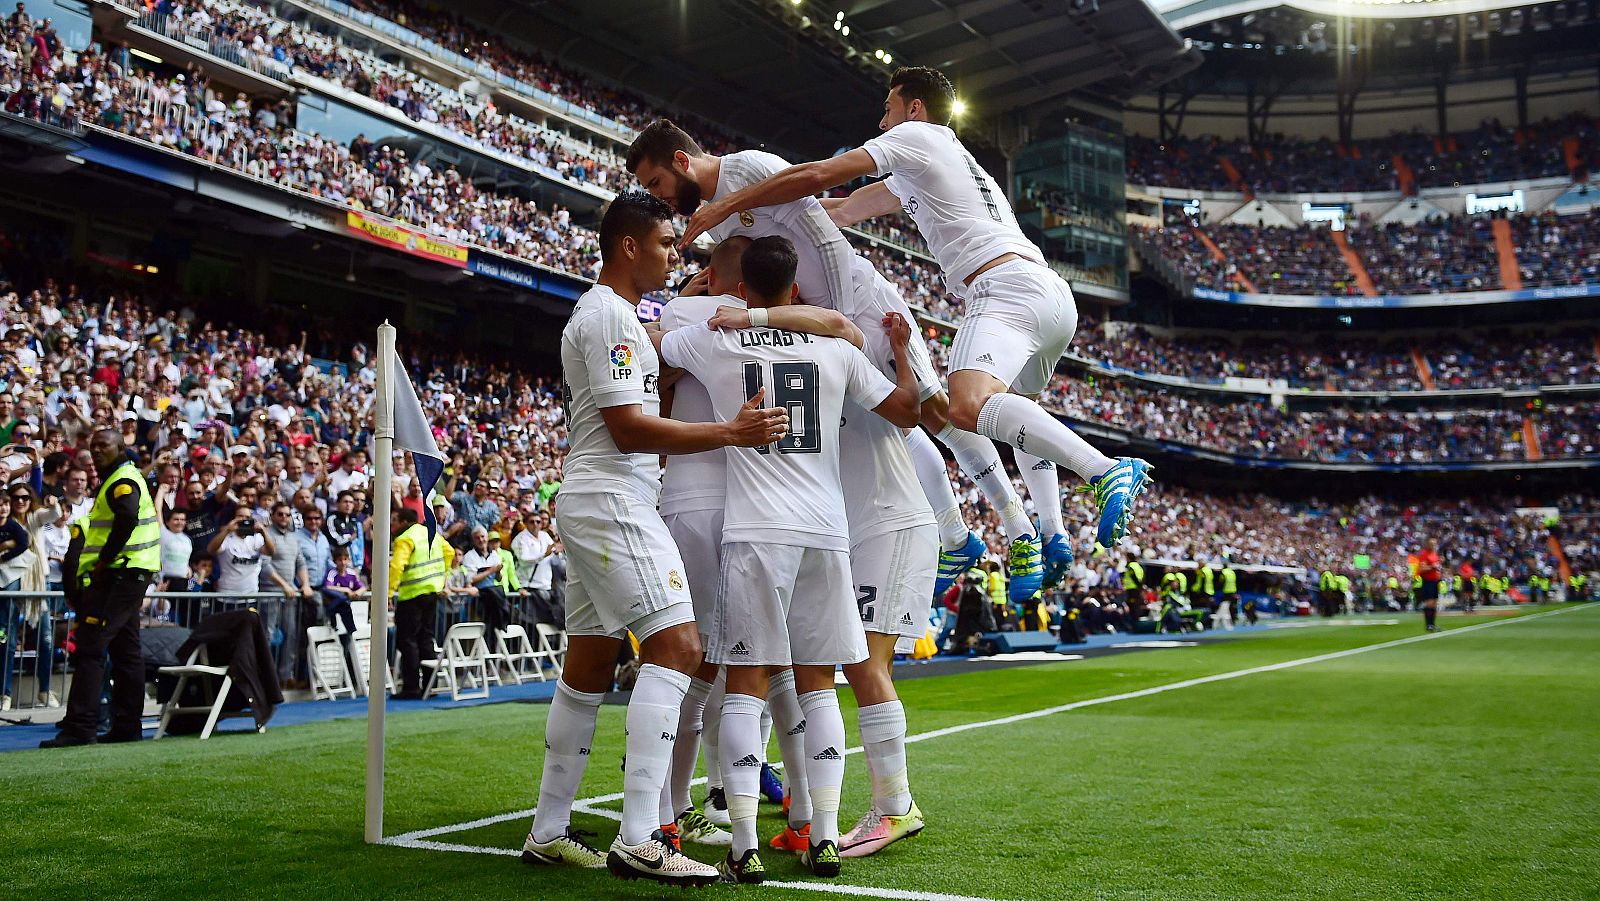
x=693, y=497
x=786, y=589
x=1019, y=315
x=672, y=166
x=624, y=572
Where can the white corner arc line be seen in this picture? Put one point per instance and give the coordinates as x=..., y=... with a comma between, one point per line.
x=869, y=891
x=586, y=805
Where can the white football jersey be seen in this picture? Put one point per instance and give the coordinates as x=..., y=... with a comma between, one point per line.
x=958, y=208
x=881, y=490
x=607, y=361
x=694, y=481
x=787, y=492
x=824, y=254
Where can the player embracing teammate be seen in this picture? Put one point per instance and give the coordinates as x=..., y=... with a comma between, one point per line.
x=800, y=535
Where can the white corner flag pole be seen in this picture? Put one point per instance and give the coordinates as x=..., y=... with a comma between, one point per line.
x=378, y=660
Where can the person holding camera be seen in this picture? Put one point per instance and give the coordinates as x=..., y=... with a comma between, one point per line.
x=237, y=549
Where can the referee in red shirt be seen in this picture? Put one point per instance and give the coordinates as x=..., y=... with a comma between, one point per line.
x=1428, y=570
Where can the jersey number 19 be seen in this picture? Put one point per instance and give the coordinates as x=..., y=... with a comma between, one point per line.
x=794, y=387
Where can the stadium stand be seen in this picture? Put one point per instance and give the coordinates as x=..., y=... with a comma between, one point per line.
x=1487, y=154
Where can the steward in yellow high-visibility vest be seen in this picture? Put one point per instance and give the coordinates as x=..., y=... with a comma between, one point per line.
x=113, y=557
x=418, y=568
x=1133, y=582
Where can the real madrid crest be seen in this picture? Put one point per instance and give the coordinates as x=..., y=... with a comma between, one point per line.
x=747, y=219
x=674, y=581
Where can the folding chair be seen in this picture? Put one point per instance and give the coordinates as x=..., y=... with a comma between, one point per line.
x=460, y=661
x=517, y=650
x=330, y=675
x=361, y=648
x=198, y=666
x=553, y=646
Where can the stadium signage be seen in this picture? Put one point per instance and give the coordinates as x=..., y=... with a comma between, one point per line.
x=1394, y=301
x=407, y=239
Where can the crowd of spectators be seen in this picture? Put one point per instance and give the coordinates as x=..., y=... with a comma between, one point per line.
x=1257, y=428
x=1435, y=255
x=1490, y=153
x=183, y=112
x=1567, y=355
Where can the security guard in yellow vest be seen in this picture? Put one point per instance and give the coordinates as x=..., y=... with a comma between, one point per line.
x=417, y=572
x=1230, y=592
x=1133, y=582
x=113, y=557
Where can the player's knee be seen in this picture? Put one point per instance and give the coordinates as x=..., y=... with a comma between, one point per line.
x=964, y=411
x=677, y=648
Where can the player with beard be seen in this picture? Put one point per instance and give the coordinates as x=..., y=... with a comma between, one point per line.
x=671, y=165
x=1020, y=314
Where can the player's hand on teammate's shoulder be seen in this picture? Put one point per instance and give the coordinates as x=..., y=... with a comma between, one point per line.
x=709, y=216
x=757, y=425
x=730, y=317
x=898, y=329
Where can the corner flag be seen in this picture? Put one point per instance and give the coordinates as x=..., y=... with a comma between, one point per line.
x=412, y=433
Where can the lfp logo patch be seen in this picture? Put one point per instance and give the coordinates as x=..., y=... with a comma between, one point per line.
x=621, y=355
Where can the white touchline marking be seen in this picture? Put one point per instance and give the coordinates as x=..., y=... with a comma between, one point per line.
x=588, y=805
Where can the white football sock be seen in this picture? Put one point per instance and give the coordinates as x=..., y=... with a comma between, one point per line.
x=711, y=733
x=824, y=761
x=568, y=734
x=935, y=481
x=980, y=460
x=766, y=733
x=652, y=717
x=686, y=750
x=1044, y=486
x=741, y=765
x=1025, y=425
x=791, y=729
x=883, y=739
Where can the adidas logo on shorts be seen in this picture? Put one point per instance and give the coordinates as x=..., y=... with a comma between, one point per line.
x=905, y=619
x=799, y=729
x=748, y=760
x=986, y=359
x=739, y=649
x=828, y=753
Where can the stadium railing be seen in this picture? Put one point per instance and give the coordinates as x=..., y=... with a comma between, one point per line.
x=39, y=623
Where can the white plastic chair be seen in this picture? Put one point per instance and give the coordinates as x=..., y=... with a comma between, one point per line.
x=330, y=675
x=522, y=662
x=553, y=646
x=198, y=665
x=361, y=649
x=460, y=662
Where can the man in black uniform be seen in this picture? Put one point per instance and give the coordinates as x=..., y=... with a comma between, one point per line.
x=107, y=596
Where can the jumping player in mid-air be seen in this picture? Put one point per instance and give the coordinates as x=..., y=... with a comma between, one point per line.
x=671, y=165
x=1020, y=315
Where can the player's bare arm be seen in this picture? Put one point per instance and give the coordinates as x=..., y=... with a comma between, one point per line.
x=863, y=203
x=793, y=183
x=637, y=432
x=794, y=318
x=901, y=407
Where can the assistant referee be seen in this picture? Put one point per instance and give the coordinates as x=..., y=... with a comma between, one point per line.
x=112, y=559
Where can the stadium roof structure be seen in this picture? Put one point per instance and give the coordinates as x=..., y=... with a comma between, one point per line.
x=802, y=75
x=1184, y=13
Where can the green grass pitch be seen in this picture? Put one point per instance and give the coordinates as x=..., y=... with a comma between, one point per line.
x=1462, y=766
